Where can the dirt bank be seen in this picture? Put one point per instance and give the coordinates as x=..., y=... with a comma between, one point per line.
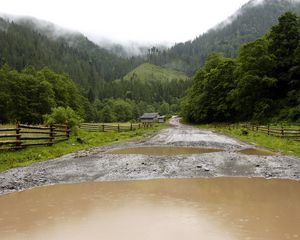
x=96, y=165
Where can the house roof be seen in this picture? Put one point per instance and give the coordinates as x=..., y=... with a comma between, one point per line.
x=150, y=115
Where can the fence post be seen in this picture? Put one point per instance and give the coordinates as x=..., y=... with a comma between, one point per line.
x=268, y=129
x=282, y=132
x=103, y=130
x=51, y=135
x=139, y=125
x=130, y=126
x=18, y=137
x=67, y=130
x=118, y=127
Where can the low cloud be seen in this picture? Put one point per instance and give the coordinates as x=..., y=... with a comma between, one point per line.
x=251, y=3
x=121, y=48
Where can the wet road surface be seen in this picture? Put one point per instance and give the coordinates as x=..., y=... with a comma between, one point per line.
x=97, y=165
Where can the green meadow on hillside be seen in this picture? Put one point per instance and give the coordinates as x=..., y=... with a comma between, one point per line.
x=149, y=71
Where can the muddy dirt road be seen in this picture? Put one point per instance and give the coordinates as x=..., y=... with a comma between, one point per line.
x=98, y=164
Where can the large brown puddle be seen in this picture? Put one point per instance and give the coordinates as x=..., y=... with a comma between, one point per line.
x=222, y=208
x=164, y=150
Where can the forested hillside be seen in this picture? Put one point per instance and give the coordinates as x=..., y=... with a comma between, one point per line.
x=29, y=89
x=106, y=87
x=30, y=94
x=21, y=45
x=262, y=84
x=102, y=94
x=148, y=83
x=253, y=20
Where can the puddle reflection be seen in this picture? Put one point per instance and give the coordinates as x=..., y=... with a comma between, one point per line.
x=221, y=208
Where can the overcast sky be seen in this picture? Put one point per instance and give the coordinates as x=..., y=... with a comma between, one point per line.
x=124, y=20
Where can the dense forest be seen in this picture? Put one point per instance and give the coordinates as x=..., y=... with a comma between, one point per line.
x=30, y=94
x=149, y=83
x=103, y=84
x=254, y=81
x=262, y=84
x=252, y=21
x=86, y=63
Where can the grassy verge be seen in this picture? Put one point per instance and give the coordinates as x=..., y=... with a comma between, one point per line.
x=276, y=144
x=27, y=156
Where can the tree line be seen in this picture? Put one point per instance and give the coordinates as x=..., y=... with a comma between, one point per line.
x=262, y=84
x=22, y=45
x=149, y=91
x=30, y=95
x=40, y=73
x=249, y=23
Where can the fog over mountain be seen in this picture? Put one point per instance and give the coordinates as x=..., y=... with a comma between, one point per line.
x=129, y=48
x=123, y=22
x=52, y=31
x=108, y=77
x=250, y=22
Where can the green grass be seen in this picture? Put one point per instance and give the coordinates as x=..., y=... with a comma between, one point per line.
x=27, y=156
x=147, y=71
x=276, y=144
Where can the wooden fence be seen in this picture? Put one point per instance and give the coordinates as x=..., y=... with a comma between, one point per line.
x=282, y=132
x=24, y=135
x=104, y=127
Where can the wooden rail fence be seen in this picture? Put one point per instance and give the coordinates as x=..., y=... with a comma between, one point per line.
x=104, y=127
x=24, y=135
x=282, y=132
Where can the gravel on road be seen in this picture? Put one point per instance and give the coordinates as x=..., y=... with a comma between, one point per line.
x=96, y=165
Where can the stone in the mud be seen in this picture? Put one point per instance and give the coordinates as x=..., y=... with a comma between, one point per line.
x=269, y=175
x=42, y=180
x=11, y=187
x=199, y=166
x=257, y=165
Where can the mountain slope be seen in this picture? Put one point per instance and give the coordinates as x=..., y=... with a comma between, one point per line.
x=146, y=72
x=149, y=83
x=24, y=43
x=252, y=21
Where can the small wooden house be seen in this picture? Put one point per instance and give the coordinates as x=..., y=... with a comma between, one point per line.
x=149, y=118
x=161, y=119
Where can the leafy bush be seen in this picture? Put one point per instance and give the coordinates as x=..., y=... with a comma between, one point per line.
x=61, y=115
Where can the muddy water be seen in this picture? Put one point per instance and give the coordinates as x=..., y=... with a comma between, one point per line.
x=164, y=150
x=222, y=208
x=257, y=151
